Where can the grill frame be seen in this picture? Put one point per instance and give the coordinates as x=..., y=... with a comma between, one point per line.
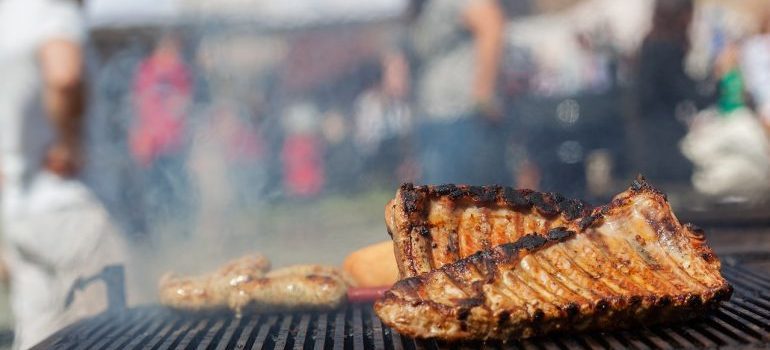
x=744, y=321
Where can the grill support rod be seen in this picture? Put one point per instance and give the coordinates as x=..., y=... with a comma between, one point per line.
x=114, y=277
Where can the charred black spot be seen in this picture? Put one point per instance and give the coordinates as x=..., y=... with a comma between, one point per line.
x=543, y=203
x=408, y=283
x=489, y=195
x=572, y=208
x=572, y=309
x=695, y=229
x=538, y=316
x=509, y=249
x=408, y=186
x=602, y=305
x=589, y=220
x=503, y=317
x=468, y=303
x=475, y=258
x=663, y=301
x=484, y=263
x=531, y=241
x=515, y=198
x=475, y=191
x=639, y=183
x=724, y=293
x=445, y=189
x=410, y=201
x=634, y=300
x=457, y=193
x=708, y=257
x=694, y=300
x=462, y=314
x=560, y=234
x=423, y=230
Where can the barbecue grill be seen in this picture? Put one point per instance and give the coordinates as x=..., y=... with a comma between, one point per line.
x=743, y=321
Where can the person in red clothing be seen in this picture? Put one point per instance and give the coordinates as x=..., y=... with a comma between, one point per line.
x=162, y=91
x=302, y=153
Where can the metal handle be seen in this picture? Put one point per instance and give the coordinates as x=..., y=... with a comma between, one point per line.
x=114, y=278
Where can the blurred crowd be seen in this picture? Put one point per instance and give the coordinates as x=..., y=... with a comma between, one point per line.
x=571, y=96
x=193, y=118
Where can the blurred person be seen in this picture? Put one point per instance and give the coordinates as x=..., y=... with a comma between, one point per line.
x=55, y=230
x=731, y=87
x=458, y=47
x=245, y=152
x=727, y=144
x=162, y=93
x=664, y=87
x=115, y=176
x=755, y=63
x=302, y=152
x=383, y=120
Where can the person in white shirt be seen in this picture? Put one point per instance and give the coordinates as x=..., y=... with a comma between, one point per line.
x=755, y=64
x=54, y=229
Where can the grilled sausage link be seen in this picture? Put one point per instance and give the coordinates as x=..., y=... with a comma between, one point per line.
x=245, y=282
x=287, y=292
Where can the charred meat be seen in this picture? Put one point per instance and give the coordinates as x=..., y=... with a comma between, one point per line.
x=432, y=226
x=627, y=263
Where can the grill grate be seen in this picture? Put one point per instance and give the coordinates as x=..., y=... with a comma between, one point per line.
x=743, y=321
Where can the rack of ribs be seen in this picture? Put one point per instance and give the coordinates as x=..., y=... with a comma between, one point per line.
x=432, y=226
x=470, y=272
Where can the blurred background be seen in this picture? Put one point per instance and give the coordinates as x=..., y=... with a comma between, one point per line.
x=217, y=128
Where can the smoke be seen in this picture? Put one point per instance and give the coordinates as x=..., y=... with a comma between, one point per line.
x=209, y=141
x=287, y=137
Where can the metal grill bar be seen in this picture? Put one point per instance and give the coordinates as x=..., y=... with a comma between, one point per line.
x=320, y=333
x=379, y=341
x=90, y=339
x=743, y=321
x=339, y=331
x=283, y=333
x=245, y=333
x=358, y=330
x=103, y=342
x=299, y=339
x=174, y=336
x=654, y=340
x=192, y=334
x=126, y=336
x=228, y=335
x=263, y=332
x=591, y=342
x=209, y=337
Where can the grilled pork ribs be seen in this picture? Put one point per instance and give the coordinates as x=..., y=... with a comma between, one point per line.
x=496, y=263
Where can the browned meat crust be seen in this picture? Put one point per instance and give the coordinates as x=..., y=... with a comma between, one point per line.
x=432, y=226
x=634, y=263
